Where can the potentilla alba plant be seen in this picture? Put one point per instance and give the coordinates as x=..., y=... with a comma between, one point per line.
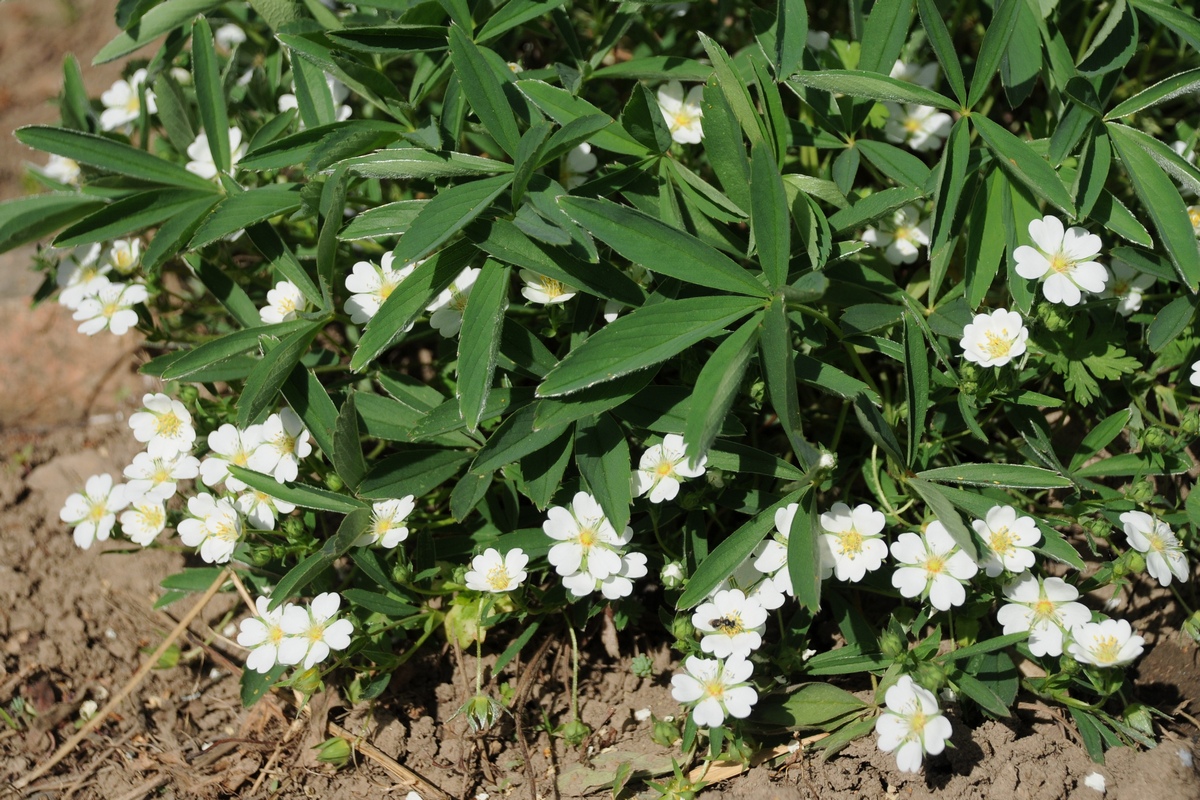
x=903, y=238
x=935, y=567
x=214, y=525
x=158, y=478
x=313, y=633
x=1063, y=259
x=123, y=102
x=110, y=309
x=588, y=548
x=851, y=544
x=495, y=573
x=731, y=623
x=371, y=284
x=284, y=302
x=912, y=726
x=683, y=114
x=285, y=443
x=1109, y=643
x=388, y=528
x=144, y=520
x=263, y=635
x=446, y=312
x=922, y=128
x=202, y=162
x=164, y=425
x=229, y=445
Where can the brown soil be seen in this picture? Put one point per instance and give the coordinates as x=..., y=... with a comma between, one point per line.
x=74, y=624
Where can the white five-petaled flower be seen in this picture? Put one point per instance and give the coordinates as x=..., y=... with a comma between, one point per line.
x=1094, y=781
x=387, y=523
x=124, y=255
x=1009, y=539
x=260, y=509
x=1194, y=378
x=587, y=541
x=911, y=725
x=81, y=274
x=144, y=520
x=284, y=302
x=492, y=572
x=447, y=310
x=157, y=478
x=850, y=541
x=934, y=565
x=682, y=114
x=919, y=74
x=1064, y=258
x=1044, y=607
x=992, y=340
x=93, y=512
x=662, y=466
x=123, y=105
x=228, y=445
x=903, y=240
x=263, y=635
x=732, y=624
x=715, y=689
x=372, y=285
x=284, y=445
x=923, y=128
x=110, y=308
x=202, y=162
x=163, y=425
x=1110, y=643
x=547, y=291
x=1164, y=553
x=214, y=526
x=61, y=169
x=576, y=165
x=313, y=632
x=1127, y=286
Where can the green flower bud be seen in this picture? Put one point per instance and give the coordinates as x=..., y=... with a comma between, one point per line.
x=642, y=666
x=931, y=675
x=1068, y=665
x=334, y=751
x=1156, y=439
x=1141, y=491
x=308, y=682
x=482, y=712
x=1098, y=527
x=260, y=557
x=682, y=628
x=401, y=572
x=1191, y=626
x=188, y=394
x=293, y=528
x=1054, y=317
x=664, y=732
x=1189, y=426
x=334, y=483
x=892, y=646
x=1137, y=716
x=672, y=575
x=574, y=732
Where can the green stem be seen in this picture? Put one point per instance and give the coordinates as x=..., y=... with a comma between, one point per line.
x=574, y=670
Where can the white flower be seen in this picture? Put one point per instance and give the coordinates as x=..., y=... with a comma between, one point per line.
x=920, y=74
x=937, y=567
x=1164, y=553
x=492, y=572
x=446, y=311
x=587, y=541
x=620, y=583
x=164, y=426
x=661, y=468
x=110, y=308
x=1044, y=607
x=911, y=725
x=81, y=274
x=850, y=543
x=1094, y=780
x=578, y=162
x=923, y=128
x=765, y=589
x=284, y=444
x=547, y=291
x=992, y=340
x=1194, y=378
x=284, y=302
x=1064, y=258
x=313, y=632
x=902, y=243
x=214, y=526
x=372, y=285
x=672, y=575
x=230, y=446
x=263, y=635
x=157, y=478
x=122, y=105
x=124, y=255
x=202, y=162
x=1009, y=539
x=260, y=509
x=771, y=558
x=1110, y=643
x=682, y=114
x=93, y=512
x=61, y=169
x=732, y=624
x=514, y=67
x=715, y=689
x=387, y=523
x=817, y=40
x=1128, y=285
x=229, y=36
x=144, y=520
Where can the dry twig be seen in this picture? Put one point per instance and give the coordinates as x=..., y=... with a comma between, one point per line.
x=423, y=787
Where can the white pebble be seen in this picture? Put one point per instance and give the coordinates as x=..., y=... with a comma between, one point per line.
x=1094, y=780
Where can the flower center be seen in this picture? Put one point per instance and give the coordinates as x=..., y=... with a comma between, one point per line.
x=153, y=516
x=1106, y=649
x=110, y=308
x=1194, y=216
x=683, y=119
x=274, y=634
x=161, y=475
x=1061, y=264
x=286, y=444
x=1002, y=542
x=587, y=537
x=97, y=512
x=458, y=300
x=851, y=543
x=223, y=530
x=169, y=424
x=995, y=346
x=286, y=305
x=133, y=105
x=124, y=260
x=916, y=722
x=935, y=564
x=912, y=125
x=498, y=578
x=382, y=526
x=552, y=288
x=714, y=688
x=240, y=458
x=386, y=288
x=316, y=632
x=730, y=624
x=1043, y=609
x=1156, y=542
x=664, y=468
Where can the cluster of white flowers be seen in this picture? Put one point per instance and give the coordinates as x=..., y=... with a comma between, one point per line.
x=590, y=555
x=98, y=302
x=294, y=635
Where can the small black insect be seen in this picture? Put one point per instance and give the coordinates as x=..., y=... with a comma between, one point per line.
x=726, y=625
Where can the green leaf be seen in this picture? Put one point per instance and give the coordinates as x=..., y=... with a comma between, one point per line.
x=172, y=236
x=916, y=381
x=657, y=68
x=446, y=214
x=332, y=207
x=110, y=155
x=790, y=31
x=1022, y=60
x=265, y=382
x=804, y=553
x=941, y=506
x=1169, y=323
x=899, y=165
x=314, y=100
x=479, y=340
x=1014, y=476
x=724, y=146
x=952, y=178
x=298, y=494
x=379, y=603
x=779, y=370
x=1100, y=437
x=28, y=219
x=943, y=47
x=409, y=300
x=242, y=209
x=736, y=92
x=563, y=107
x=483, y=91
x=389, y=219
x=254, y=684
x=769, y=217
x=978, y=691
x=732, y=457
x=392, y=39
x=873, y=86
x=516, y=438
x=227, y=346
x=995, y=42
x=228, y=294
x=644, y=120
x=1182, y=23
x=592, y=401
x=602, y=455
x=812, y=705
x=308, y=398
x=1115, y=43
x=283, y=260
x=884, y=34
x=527, y=158
x=1020, y=160
x=468, y=492
x=415, y=471
x=541, y=472
x=877, y=428
x=718, y=385
x=210, y=94
x=302, y=574
x=1175, y=86
x=660, y=247
x=347, y=455
x=872, y=207
x=130, y=215
x=1089, y=732
x=513, y=15
x=986, y=238
x=986, y=646
x=647, y=336
x=154, y=23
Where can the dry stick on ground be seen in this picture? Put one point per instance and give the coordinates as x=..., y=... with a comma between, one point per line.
x=523, y=686
x=424, y=788
x=69, y=745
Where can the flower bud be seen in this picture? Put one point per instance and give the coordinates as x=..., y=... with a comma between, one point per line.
x=482, y=712
x=1054, y=317
x=261, y=556
x=1131, y=562
x=308, y=682
x=1191, y=626
x=401, y=572
x=931, y=675
x=574, y=732
x=1156, y=439
x=333, y=482
x=672, y=575
x=334, y=751
x=682, y=628
x=1189, y=426
x=1137, y=716
x=1141, y=491
x=1098, y=527
x=188, y=394
x=1068, y=665
x=892, y=646
x=664, y=732
x=293, y=528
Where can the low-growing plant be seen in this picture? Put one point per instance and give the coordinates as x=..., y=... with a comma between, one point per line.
x=838, y=342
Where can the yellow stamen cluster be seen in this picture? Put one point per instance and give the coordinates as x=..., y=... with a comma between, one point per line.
x=995, y=346
x=498, y=578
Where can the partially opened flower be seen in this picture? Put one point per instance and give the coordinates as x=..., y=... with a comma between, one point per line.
x=547, y=291
x=61, y=169
x=110, y=308
x=372, y=285
x=123, y=103
x=285, y=443
x=1128, y=285
x=158, y=478
x=715, y=689
x=850, y=541
x=903, y=238
x=213, y=525
x=93, y=512
x=202, y=162
x=81, y=274
x=263, y=635
x=229, y=445
x=992, y=340
x=492, y=572
x=447, y=310
x=578, y=162
x=387, y=523
x=920, y=74
x=312, y=633
x=124, y=255
x=923, y=128
x=144, y=520
x=1164, y=553
x=732, y=624
x=1063, y=259
x=586, y=540
x=163, y=425
x=1110, y=643
x=935, y=566
x=260, y=509
x=682, y=114
x=1044, y=607
x=662, y=467
x=911, y=725
x=284, y=302
x=1009, y=539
